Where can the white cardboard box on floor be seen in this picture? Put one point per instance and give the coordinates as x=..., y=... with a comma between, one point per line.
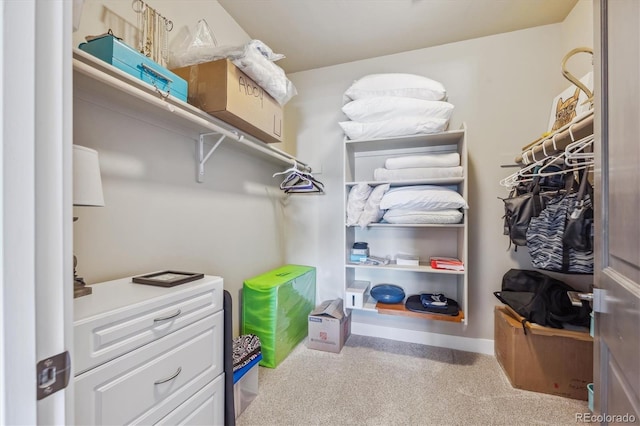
x=329, y=326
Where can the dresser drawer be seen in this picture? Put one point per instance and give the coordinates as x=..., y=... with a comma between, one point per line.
x=145, y=385
x=111, y=330
x=206, y=407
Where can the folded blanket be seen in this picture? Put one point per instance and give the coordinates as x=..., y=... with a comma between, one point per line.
x=443, y=217
x=429, y=160
x=381, y=174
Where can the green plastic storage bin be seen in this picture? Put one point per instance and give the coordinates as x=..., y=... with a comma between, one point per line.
x=276, y=306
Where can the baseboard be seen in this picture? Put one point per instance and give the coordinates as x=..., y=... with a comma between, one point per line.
x=482, y=346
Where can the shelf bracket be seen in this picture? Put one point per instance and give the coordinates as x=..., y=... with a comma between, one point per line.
x=202, y=157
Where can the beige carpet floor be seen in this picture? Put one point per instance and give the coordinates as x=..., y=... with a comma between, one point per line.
x=382, y=382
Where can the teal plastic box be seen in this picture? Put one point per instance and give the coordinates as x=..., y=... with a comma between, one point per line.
x=129, y=60
x=276, y=306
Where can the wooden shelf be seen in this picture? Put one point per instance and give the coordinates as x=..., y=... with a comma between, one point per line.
x=558, y=140
x=400, y=309
x=394, y=267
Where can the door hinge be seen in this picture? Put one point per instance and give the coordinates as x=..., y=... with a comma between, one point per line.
x=53, y=374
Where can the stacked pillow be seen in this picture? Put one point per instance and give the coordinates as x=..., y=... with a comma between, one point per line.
x=418, y=204
x=395, y=104
x=423, y=204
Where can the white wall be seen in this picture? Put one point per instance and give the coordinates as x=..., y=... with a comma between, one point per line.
x=156, y=215
x=502, y=87
x=577, y=31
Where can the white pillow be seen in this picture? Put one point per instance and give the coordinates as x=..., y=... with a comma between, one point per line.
x=368, y=110
x=402, y=126
x=396, y=84
x=448, y=216
x=422, y=197
x=355, y=202
x=372, y=212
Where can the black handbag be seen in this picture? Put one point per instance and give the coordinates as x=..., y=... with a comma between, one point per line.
x=578, y=232
x=527, y=201
x=546, y=235
x=523, y=203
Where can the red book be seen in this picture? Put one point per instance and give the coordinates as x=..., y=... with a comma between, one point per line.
x=450, y=263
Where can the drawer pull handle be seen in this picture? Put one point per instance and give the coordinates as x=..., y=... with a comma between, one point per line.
x=168, y=317
x=173, y=376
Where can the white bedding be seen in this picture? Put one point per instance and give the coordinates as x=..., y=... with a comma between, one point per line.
x=451, y=159
x=396, y=84
x=356, y=201
x=422, y=197
x=371, y=212
x=369, y=110
x=381, y=174
x=398, y=216
x=401, y=126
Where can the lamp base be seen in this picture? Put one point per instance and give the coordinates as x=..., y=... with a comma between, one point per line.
x=80, y=288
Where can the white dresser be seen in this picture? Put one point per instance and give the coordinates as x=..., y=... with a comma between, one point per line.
x=149, y=355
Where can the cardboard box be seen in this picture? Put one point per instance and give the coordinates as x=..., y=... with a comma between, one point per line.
x=329, y=326
x=547, y=360
x=219, y=88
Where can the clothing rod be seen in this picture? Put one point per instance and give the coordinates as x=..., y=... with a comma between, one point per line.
x=558, y=141
x=176, y=109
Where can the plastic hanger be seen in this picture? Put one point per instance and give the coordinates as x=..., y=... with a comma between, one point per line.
x=299, y=181
x=575, y=152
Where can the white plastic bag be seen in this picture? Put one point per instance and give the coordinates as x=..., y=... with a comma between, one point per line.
x=257, y=61
x=201, y=46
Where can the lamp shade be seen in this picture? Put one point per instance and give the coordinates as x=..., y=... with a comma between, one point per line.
x=87, y=184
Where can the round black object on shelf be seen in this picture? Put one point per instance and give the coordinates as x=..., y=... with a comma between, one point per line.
x=360, y=245
x=414, y=304
x=387, y=293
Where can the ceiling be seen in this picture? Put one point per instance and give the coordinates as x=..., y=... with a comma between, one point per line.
x=318, y=33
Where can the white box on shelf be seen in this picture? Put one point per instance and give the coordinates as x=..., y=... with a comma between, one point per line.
x=355, y=294
x=407, y=259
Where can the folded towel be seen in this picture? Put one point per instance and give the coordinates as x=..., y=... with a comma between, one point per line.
x=451, y=159
x=381, y=174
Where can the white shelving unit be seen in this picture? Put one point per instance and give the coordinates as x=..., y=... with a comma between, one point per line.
x=362, y=157
x=99, y=82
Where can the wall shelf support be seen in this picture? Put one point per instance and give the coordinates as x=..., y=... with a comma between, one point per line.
x=202, y=157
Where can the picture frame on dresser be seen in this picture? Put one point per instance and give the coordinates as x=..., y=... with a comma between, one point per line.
x=167, y=278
